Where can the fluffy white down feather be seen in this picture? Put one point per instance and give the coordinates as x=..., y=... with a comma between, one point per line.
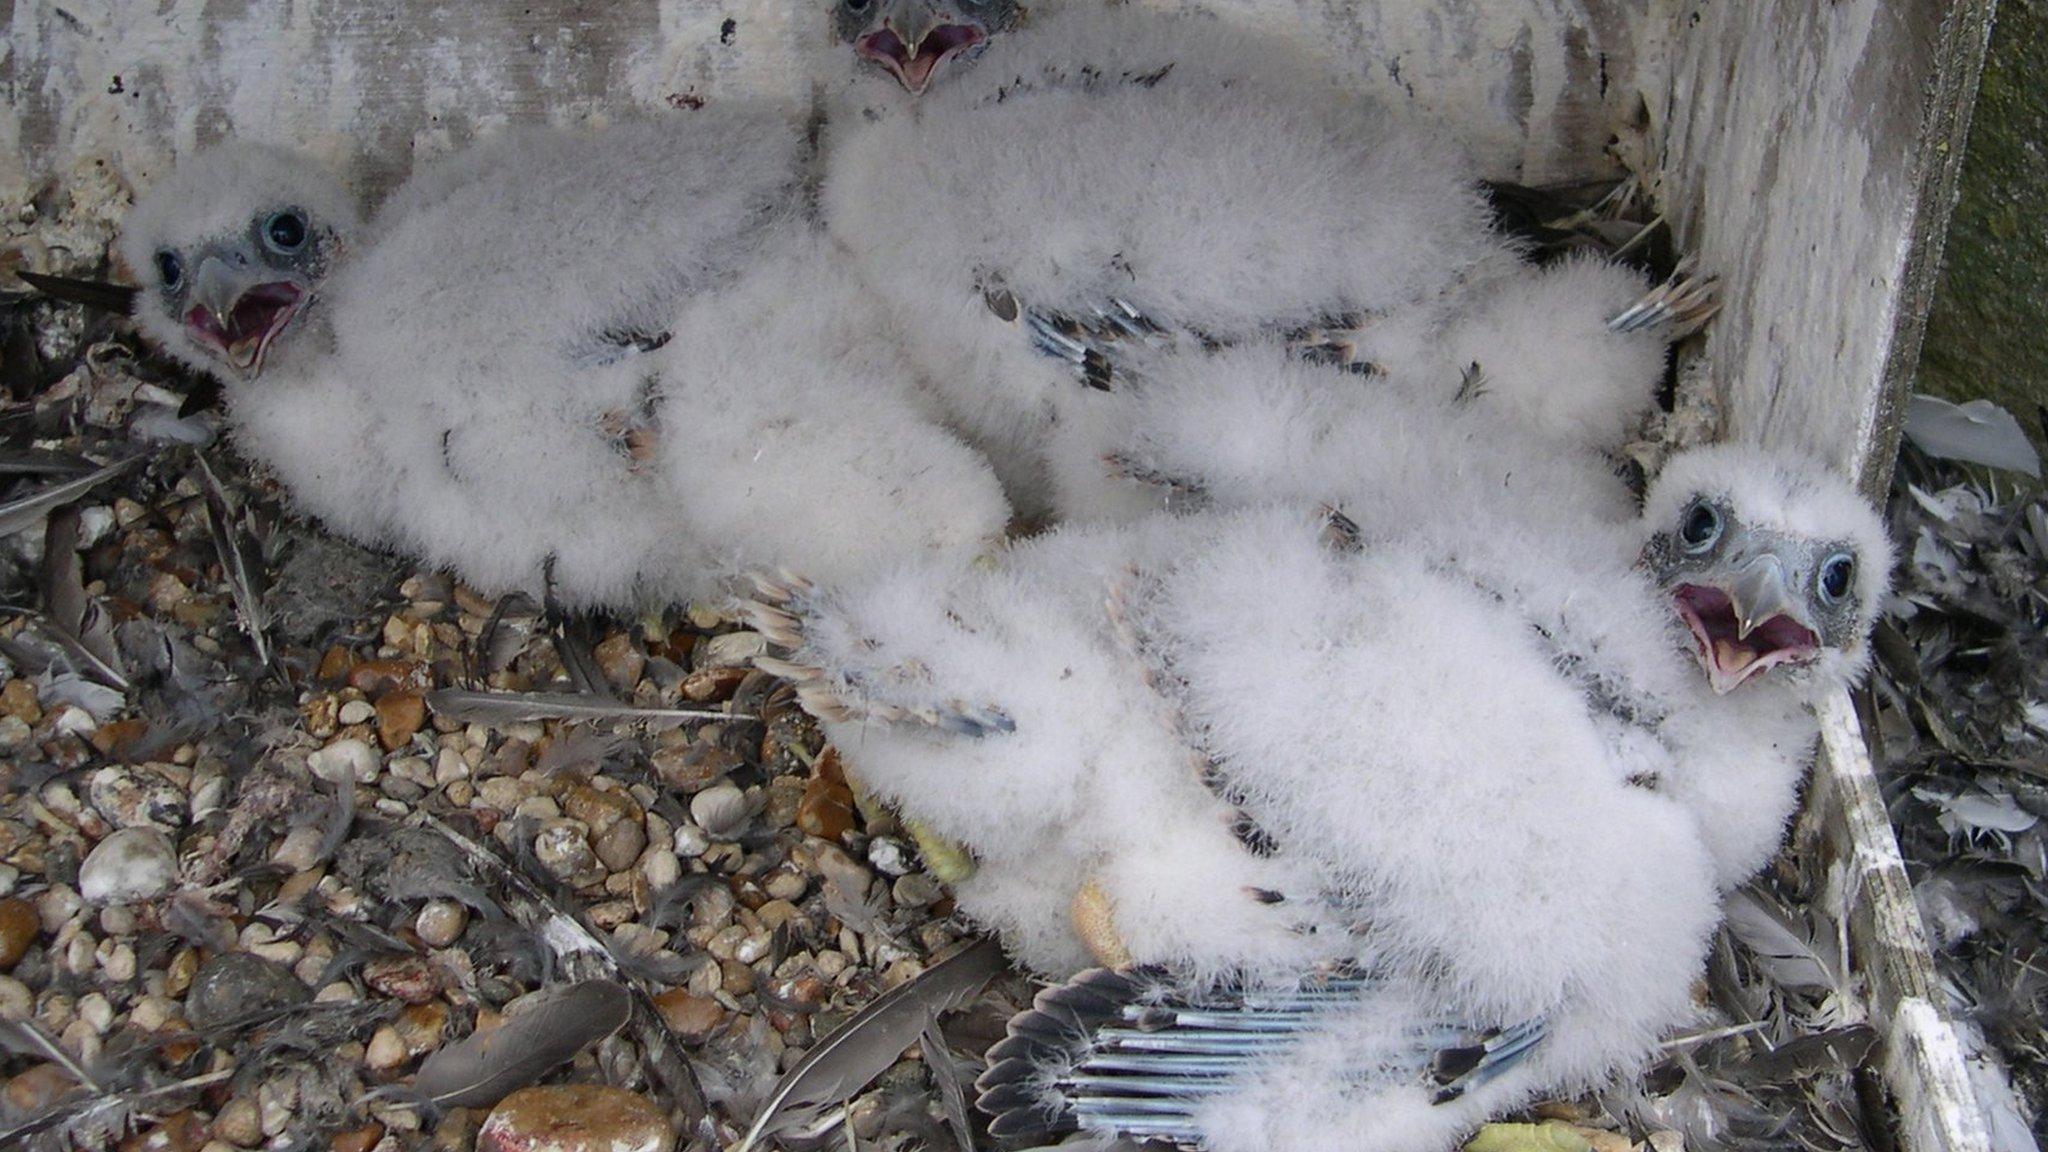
x=1216, y=181
x=1226, y=187
x=628, y=351
x=1408, y=741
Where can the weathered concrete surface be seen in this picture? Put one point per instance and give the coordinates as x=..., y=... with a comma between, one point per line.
x=1988, y=335
x=1536, y=87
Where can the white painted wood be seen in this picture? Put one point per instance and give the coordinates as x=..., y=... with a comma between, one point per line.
x=1846, y=836
x=1811, y=160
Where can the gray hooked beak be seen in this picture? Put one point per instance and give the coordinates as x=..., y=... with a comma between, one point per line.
x=237, y=307
x=218, y=286
x=1759, y=592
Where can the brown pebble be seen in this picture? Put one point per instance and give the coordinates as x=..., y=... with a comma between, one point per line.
x=19, y=925
x=599, y=808
x=373, y=676
x=179, y=1132
x=620, y=661
x=618, y=847
x=358, y=1139
x=692, y=1018
x=826, y=811
x=408, y=978
x=737, y=978
x=709, y=684
x=421, y=1027
x=114, y=738
x=694, y=768
x=399, y=715
x=575, y=1118
x=35, y=1090
x=335, y=664
x=18, y=699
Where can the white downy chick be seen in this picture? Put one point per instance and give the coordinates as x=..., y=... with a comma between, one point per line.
x=1078, y=193
x=1422, y=767
x=585, y=356
x=1103, y=182
x=1545, y=530
x=1002, y=707
x=239, y=252
x=1439, y=831
x=1423, y=715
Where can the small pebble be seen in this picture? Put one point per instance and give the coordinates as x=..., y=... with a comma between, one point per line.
x=889, y=856
x=408, y=978
x=300, y=848
x=357, y=712
x=117, y=961
x=345, y=758
x=575, y=1118
x=619, y=846
x=19, y=926
x=692, y=1018
x=130, y=865
x=719, y=810
x=440, y=923
x=399, y=715
x=690, y=841
x=130, y=798
x=16, y=1001
x=563, y=849
x=239, y=1123
x=234, y=985
x=386, y=1052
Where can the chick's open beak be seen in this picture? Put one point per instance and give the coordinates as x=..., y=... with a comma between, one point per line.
x=1747, y=623
x=236, y=310
x=916, y=37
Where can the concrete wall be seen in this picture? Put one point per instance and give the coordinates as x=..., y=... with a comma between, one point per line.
x=1537, y=84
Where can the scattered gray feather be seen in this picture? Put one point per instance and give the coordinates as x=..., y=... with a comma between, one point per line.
x=26, y=512
x=502, y=708
x=844, y=1062
x=1979, y=432
x=483, y=1070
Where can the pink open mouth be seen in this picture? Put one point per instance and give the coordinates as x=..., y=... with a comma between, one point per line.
x=258, y=316
x=1730, y=658
x=914, y=70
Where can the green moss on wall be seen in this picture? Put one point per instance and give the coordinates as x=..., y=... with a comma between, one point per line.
x=1988, y=334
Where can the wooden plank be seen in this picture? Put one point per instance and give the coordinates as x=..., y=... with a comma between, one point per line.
x=1811, y=163
x=1847, y=834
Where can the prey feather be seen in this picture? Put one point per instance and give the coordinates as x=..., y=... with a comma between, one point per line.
x=844, y=1062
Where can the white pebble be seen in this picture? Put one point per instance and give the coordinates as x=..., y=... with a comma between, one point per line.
x=117, y=961
x=300, y=848
x=691, y=841
x=357, y=712
x=131, y=865
x=345, y=758
x=96, y=1011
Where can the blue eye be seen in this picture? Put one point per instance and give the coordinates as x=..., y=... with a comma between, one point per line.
x=285, y=231
x=1700, y=528
x=1835, y=576
x=170, y=269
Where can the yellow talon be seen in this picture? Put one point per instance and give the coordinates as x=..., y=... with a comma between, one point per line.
x=946, y=860
x=1094, y=920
